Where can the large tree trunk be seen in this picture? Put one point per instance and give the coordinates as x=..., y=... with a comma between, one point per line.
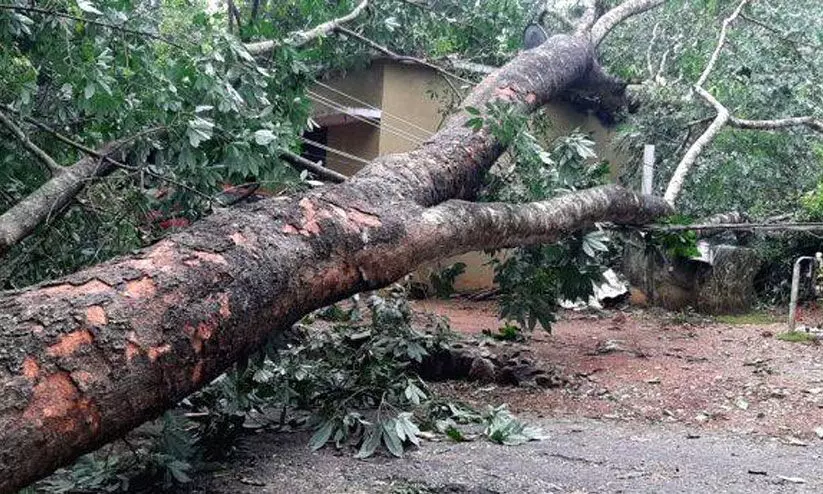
x=86, y=358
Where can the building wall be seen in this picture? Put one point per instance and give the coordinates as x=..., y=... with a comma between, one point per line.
x=402, y=91
x=356, y=138
x=410, y=113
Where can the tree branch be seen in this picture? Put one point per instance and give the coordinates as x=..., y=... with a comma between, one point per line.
x=780, y=123
x=401, y=58
x=304, y=164
x=47, y=160
x=57, y=13
x=615, y=16
x=25, y=216
x=586, y=21
x=685, y=165
x=301, y=38
x=720, y=42
x=688, y=160
x=460, y=226
x=38, y=207
x=466, y=66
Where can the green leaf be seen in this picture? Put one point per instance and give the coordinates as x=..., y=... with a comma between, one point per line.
x=199, y=130
x=475, y=123
x=370, y=442
x=321, y=437
x=88, y=7
x=414, y=394
x=391, y=440
x=264, y=137
x=88, y=92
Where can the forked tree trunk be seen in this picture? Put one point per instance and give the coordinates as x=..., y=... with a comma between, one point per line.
x=86, y=358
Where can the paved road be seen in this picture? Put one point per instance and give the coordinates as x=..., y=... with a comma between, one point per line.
x=579, y=456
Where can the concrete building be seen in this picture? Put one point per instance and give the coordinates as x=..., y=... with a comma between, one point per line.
x=390, y=107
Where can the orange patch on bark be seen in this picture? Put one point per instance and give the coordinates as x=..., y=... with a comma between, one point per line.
x=96, y=316
x=238, y=238
x=57, y=404
x=31, y=368
x=200, y=334
x=82, y=377
x=142, y=288
x=225, y=309
x=69, y=343
x=505, y=93
x=155, y=352
x=364, y=219
x=211, y=257
x=132, y=351
x=310, y=225
x=92, y=287
x=197, y=373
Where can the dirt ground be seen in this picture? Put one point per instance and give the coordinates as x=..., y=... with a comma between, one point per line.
x=637, y=365
x=655, y=402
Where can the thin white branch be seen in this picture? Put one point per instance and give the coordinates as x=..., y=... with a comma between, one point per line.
x=649, y=64
x=720, y=42
x=300, y=38
x=615, y=16
x=723, y=118
x=473, y=67
x=685, y=165
x=657, y=77
x=687, y=162
x=780, y=123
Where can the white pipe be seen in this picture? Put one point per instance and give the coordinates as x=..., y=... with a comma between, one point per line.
x=796, y=286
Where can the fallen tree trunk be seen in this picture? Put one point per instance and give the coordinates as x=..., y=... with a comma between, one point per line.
x=85, y=358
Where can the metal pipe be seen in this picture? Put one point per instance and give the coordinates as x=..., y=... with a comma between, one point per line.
x=795, y=288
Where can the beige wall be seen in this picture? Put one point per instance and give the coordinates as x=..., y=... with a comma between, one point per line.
x=402, y=91
x=358, y=139
x=366, y=85
x=410, y=114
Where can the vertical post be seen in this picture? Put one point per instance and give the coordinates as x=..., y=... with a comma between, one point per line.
x=796, y=289
x=648, y=170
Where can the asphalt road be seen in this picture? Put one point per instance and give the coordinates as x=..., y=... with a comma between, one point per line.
x=584, y=456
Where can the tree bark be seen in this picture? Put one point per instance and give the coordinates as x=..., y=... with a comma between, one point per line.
x=48, y=201
x=86, y=358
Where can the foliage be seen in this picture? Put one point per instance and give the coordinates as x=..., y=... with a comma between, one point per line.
x=675, y=244
x=503, y=428
x=165, y=459
x=797, y=337
x=533, y=279
x=506, y=332
x=763, y=73
x=443, y=282
x=355, y=380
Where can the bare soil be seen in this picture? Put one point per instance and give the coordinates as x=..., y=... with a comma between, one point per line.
x=654, y=367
